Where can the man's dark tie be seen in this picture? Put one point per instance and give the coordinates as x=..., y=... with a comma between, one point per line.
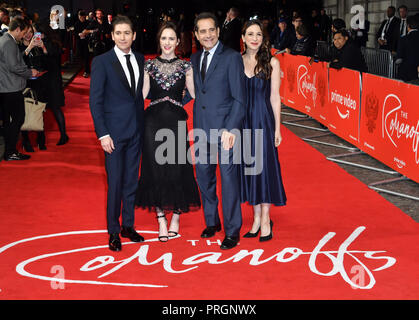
x=386, y=26
x=402, y=29
x=204, y=65
x=131, y=74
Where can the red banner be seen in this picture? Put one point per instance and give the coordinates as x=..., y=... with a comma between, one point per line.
x=306, y=86
x=344, y=104
x=389, y=127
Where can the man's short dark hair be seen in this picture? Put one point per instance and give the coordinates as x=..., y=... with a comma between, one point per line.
x=302, y=31
x=18, y=22
x=235, y=11
x=82, y=13
x=297, y=17
x=403, y=7
x=339, y=24
x=413, y=22
x=15, y=13
x=205, y=15
x=120, y=19
x=342, y=32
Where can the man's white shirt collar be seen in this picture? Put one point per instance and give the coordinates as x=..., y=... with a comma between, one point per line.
x=213, y=49
x=120, y=53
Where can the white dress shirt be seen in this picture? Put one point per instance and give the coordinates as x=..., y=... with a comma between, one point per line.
x=121, y=57
x=209, y=58
x=403, y=27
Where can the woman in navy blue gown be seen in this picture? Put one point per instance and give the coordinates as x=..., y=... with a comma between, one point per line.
x=261, y=178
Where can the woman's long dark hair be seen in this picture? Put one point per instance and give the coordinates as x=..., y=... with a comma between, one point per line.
x=166, y=25
x=263, y=66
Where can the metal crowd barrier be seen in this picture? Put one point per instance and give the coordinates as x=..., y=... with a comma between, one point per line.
x=322, y=51
x=379, y=62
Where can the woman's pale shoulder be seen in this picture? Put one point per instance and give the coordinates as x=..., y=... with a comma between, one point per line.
x=275, y=62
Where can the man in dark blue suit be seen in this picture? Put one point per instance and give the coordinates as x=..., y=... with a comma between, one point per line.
x=117, y=107
x=219, y=111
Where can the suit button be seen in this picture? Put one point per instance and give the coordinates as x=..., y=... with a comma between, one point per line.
x=203, y=107
x=204, y=92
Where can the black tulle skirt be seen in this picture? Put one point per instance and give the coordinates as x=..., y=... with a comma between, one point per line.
x=169, y=186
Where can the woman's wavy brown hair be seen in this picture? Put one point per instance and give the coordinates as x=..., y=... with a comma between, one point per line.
x=166, y=25
x=263, y=68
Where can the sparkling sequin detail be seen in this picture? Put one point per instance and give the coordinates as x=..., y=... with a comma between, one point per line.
x=167, y=98
x=165, y=73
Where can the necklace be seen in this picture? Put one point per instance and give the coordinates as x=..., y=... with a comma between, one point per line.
x=167, y=60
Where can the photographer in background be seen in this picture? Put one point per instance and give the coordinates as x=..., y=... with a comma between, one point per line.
x=82, y=42
x=99, y=33
x=13, y=76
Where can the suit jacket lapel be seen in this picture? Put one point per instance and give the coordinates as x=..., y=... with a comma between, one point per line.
x=120, y=72
x=197, y=68
x=140, y=63
x=214, y=62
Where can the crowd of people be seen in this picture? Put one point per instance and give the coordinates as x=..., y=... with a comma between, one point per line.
x=30, y=57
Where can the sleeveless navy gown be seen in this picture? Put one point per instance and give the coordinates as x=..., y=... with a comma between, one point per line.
x=264, y=184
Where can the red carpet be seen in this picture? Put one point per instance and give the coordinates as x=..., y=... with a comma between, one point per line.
x=334, y=232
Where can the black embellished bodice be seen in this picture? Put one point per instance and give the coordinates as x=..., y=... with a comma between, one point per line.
x=167, y=79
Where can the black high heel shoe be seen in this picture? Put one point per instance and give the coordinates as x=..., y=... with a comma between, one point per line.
x=63, y=140
x=269, y=236
x=174, y=233
x=252, y=235
x=162, y=237
x=26, y=145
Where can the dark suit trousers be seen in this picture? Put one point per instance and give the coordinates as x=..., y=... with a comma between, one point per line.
x=13, y=114
x=85, y=55
x=230, y=185
x=122, y=167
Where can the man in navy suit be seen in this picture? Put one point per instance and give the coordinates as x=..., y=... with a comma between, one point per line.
x=219, y=106
x=117, y=107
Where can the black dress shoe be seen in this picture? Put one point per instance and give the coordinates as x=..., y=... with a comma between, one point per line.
x=63, y=140
x=251, y=235
x=210, y=231
x=16, y=156
x=114, y=242
x=229, y=242
x=269, y=236
x=131, y=234
x=42, y=146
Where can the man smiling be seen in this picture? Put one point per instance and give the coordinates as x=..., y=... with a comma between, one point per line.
x=117, y=107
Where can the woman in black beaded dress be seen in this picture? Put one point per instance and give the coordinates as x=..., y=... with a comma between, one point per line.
x=167, y=182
